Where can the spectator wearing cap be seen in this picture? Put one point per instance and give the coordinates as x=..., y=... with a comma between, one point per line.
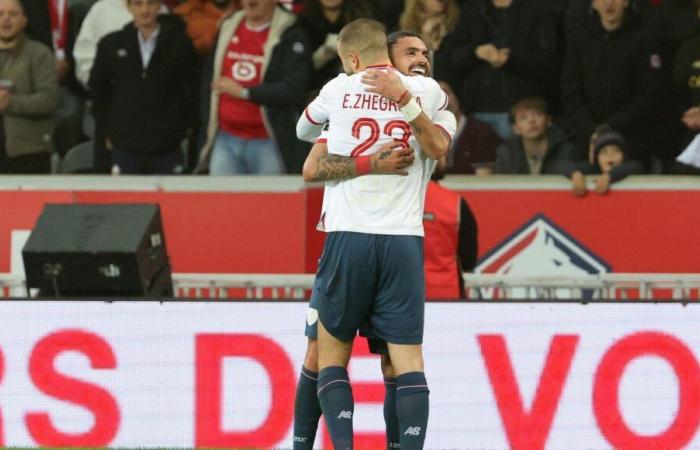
x=261, y=69
x=612, y=75
x=539, y=147
x=610, y=162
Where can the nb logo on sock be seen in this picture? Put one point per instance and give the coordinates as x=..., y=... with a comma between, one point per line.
x=412, y=431
x=346, y=415
x=300, y=439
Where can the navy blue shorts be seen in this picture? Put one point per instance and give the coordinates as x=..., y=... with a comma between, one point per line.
x=370, y=282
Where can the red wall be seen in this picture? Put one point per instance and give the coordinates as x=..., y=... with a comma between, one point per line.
x=258, y=232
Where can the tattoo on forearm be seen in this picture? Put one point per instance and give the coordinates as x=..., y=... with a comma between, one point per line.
x=417, y=130
x=334, y=167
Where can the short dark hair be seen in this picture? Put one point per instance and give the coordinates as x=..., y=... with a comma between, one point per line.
x=536, y=103
x=394, y=37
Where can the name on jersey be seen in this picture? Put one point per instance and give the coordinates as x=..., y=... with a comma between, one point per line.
x=369, y=101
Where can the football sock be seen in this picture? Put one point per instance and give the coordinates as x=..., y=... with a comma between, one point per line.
x=307, y=410
x=335, y=396
x=390, y=417
x=412, y=409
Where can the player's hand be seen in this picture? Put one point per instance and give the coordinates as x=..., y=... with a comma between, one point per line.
x=385, y=83
x=602, y=184
x=227, y=85
x=392, y=158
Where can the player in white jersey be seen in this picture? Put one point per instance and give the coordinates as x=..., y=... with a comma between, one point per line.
x=410, y=55
x=372, y=260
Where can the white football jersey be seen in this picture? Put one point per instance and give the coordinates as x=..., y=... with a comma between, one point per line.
x=359, y=122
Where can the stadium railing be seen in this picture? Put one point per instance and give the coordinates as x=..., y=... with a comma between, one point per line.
x=609, y=286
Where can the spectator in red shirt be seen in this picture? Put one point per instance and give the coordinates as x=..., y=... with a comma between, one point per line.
x=257, y=93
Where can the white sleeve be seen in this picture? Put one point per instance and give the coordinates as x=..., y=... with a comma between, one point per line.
x=311, y=123
x=435, y=98
x=447, y=121
x=86, y=47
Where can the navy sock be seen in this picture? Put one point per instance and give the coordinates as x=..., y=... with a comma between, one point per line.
x=307, y=411
x=335, y=396
x=390, y=417
x=412, y=409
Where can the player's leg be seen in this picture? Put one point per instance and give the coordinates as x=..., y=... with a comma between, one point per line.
x=398, y=319
x=334, y=391
x=391, y=419
x=412, y=405
x=307, y=410
x=346, y=301
x=379, y=347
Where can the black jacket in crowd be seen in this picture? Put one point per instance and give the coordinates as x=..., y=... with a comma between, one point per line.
x=145, y=111
x=511, y=158
x=527, y=28
x=686, y=74
x=612, y=78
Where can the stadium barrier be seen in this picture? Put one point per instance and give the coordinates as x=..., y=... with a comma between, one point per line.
x=609, y=286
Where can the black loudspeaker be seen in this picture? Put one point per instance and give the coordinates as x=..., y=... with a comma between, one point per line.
x=98, y=250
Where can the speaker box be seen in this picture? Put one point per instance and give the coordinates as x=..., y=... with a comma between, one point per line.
x=113, y=250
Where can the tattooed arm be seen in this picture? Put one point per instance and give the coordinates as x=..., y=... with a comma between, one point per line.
x=321, y=166
x=433, y=140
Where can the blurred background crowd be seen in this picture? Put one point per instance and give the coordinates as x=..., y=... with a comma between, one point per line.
x=569, y=87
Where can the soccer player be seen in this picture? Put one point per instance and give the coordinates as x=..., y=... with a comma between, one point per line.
x=410, y=55
x=372, y=262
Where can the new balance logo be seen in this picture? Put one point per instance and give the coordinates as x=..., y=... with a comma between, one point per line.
x=412, y=431
x=345, y=415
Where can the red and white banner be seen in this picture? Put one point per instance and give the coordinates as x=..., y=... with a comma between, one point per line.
x=196, y=374
x=262, y=230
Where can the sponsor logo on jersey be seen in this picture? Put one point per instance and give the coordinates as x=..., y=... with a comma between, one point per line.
x=539, y=248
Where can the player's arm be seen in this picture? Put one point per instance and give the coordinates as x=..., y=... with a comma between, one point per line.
x=322, y=166
x=311, y=122
x=434, y=141
x=308, y=129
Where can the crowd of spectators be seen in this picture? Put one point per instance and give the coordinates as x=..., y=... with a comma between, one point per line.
x=216, y=86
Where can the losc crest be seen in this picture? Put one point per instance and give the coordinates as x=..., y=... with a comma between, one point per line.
x=539, y=248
